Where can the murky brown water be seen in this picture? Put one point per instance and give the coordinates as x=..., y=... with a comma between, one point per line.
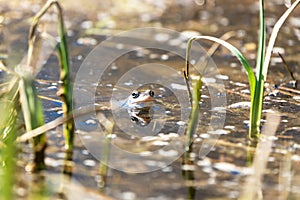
x=219, y=175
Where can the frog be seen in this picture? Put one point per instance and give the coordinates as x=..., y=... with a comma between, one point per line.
x=138, y=99
x=138, y=105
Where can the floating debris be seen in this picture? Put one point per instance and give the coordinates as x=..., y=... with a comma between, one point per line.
x=164, y=57
x=111, y=136
x=52, y=88
x=242, y=104
x=189, y=34
x=278, y=50
x=146, y=153
x=296, y=158
x=218, y=109
x=219, y=132
x=86, y=24
x=188, y=167
x=251, y=46
x=129, y=83
x=209, y=80
x=222, y=77
x=205, y=162
x=90, y=121
x=160, y=143
x=229, y=127
x=167, y=153
x=167, y=169
x=294, y=21
x=120, y=46
x=204, y=135
x=232, y=169
x=88, y=41
x=54, y=162
x=114, y=67
x=238, y=84
x=154, y=56
x=85, y=152
x=128, y=195
x=297, y=98
x=89, y=163
x=168, y=136
x=175, y=42
x=181, y=123
x=162, y=37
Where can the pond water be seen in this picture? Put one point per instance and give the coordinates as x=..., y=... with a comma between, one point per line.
x=149, y=162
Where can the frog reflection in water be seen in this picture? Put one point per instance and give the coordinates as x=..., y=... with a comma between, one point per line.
x=138, y=106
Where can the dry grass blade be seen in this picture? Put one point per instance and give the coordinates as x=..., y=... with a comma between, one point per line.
x=53, y=124
x=274, y=34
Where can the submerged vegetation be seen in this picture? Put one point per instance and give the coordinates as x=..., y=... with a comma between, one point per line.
x=20, y=101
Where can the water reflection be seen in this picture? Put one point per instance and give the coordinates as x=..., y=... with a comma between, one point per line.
x=141, y=116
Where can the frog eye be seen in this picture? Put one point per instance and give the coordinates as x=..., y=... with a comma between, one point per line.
x=135, y=94
x=134, y=119
x=151, y=93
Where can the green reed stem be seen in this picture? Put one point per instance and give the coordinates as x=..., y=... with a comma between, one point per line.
x=194, y=116
x=262, y=65
x=257, y=97
x=34, y=117
x=65, y=92
x=8, y=118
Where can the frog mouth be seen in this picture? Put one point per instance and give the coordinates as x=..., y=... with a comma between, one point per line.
x=145, y=99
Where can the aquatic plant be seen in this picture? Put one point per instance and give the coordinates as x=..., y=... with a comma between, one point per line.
x=22, y=82
x=65, y=92
x=257, y=79
x=8, y=119
x=195, y=98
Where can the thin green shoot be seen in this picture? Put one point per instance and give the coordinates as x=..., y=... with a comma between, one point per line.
x=193, y=119
x=256, y=81
x=195, y=94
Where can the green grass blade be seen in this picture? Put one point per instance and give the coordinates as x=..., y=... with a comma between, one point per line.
x=262, y=68
x=233, y=50
x=261, y=42
x=257, y=97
